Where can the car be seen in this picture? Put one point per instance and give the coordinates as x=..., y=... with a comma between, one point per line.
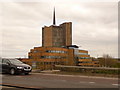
x=14, y=66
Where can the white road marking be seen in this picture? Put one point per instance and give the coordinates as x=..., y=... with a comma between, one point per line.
x=91, y=82
x=115, y=84
x=60, y=80
x=67, y=75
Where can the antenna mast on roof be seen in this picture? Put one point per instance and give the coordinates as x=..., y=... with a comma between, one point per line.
x=54, y=22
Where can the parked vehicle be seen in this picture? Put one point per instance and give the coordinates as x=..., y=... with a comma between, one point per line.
x=14, y=66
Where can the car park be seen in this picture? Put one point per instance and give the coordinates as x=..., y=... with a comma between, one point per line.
x=14, y=66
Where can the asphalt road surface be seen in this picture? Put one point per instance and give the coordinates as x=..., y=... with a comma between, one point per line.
x=42, y=80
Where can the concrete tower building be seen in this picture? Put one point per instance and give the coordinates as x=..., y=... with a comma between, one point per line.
x=57, y=49
x=57, y=36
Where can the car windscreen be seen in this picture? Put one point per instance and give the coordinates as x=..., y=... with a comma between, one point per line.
x=15, y=61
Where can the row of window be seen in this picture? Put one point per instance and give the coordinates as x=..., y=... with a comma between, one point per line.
x=55, y=51
x=84, y=62
x=83, y=53
x=58, y=57
x=83, y=57
x=48, y=57
x=49, y=63
x=86, y=65
x=53, y=57
x=51, y=51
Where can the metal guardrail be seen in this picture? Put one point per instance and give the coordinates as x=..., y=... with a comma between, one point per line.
x=99, y=68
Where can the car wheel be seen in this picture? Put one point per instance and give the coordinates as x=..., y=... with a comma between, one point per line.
x=12, y=71
x=26, y=73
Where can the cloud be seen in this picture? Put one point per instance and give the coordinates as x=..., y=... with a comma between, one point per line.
x=94, y=25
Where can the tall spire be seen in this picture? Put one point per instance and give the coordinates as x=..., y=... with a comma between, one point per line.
x=54, y=23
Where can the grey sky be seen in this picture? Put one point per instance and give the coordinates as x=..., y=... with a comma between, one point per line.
x=95, y=25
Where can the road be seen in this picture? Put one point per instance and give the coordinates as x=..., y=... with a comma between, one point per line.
x=42, y=80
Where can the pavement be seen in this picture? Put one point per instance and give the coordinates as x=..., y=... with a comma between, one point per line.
x=44, y=80
x=10, y=88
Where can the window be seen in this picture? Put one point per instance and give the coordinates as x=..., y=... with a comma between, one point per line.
x=55, y=51
x=53, y=57
x=15, y=61
x=42, y=57
x=30, y=57
x=83, y=53
x=46, y=63
x=85, y=62
x=5, y=61
x=35, y=51
x=84, y=57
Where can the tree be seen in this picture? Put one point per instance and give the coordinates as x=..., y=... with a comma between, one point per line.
x=107, y=61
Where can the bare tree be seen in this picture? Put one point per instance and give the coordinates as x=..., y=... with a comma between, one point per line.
x=107, y=61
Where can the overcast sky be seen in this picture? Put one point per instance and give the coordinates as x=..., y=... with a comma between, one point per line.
x=94, y=25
